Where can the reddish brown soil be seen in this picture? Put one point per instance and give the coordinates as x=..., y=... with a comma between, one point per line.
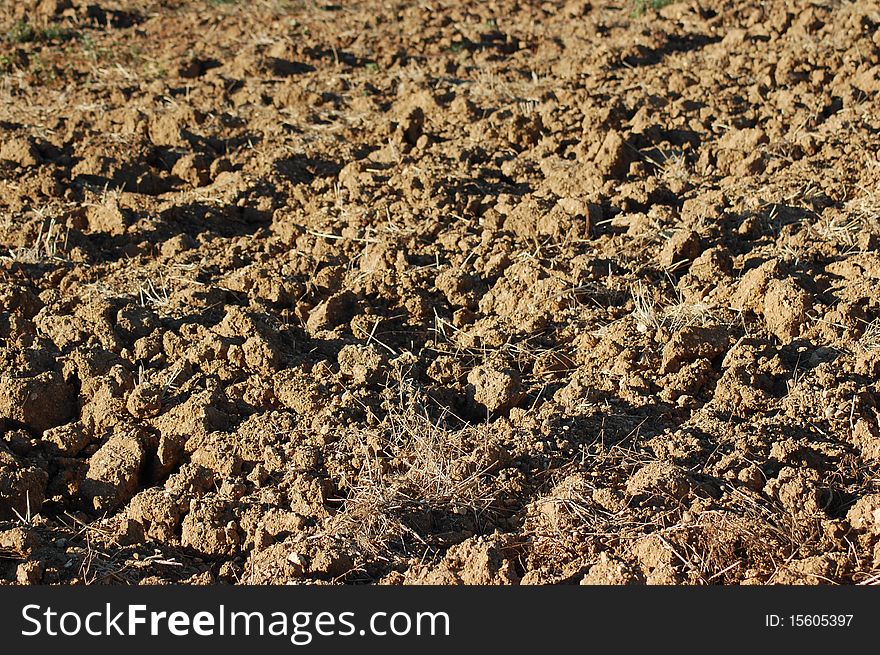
x=481, y=292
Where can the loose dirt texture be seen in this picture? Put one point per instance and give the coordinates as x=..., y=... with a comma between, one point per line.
x=451, y=292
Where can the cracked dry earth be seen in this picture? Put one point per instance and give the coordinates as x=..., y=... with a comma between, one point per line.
x=469, y=292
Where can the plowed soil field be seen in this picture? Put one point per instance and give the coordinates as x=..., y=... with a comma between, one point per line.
x=454, y=292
